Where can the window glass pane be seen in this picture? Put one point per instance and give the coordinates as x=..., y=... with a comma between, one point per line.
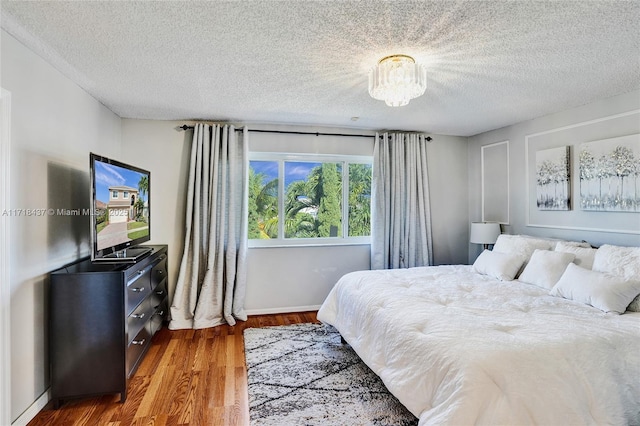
x=313, y=199
x=359, y=200
x=263, y=199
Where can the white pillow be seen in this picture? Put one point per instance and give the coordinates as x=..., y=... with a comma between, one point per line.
x=502, y=266
x=584, y=256
x=521, y=245
x=616, y=260
x=545, y=268
x=606, y=292
x=553, y=242
x=575, y=243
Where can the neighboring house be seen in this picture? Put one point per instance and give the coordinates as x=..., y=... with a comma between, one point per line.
x=121, y=203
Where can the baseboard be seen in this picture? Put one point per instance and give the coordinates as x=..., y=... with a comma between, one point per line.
x=33, y=410
x=284, y=310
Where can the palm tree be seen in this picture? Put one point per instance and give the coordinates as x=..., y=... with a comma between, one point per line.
x=313, y=206
x=263, y=206
x=143, y=190
x=143, y=186
x=301, y=209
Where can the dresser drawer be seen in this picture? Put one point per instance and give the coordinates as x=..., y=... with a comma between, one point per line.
x=136, y=348
x=138, y=288
x=159, y=316
x=159, y=272
x=158, y=294
x=138, y=318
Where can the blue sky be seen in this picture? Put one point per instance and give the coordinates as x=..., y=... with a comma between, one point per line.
x=294, y=170
x=107, y=175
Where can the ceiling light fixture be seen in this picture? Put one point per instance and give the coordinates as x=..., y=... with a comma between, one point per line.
x=397, y=79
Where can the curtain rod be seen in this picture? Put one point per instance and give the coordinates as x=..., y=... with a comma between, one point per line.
x=290, y=132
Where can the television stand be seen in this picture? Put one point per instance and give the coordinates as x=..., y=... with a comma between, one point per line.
x=128, y=255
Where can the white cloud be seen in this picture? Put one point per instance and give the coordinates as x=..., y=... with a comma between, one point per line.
x=108, y=175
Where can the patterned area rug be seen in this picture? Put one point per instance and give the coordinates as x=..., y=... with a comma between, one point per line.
x=303, y=375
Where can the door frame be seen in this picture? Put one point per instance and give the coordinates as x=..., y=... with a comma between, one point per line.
x=5, y=264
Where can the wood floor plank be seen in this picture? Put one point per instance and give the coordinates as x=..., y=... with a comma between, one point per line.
x=180, y=395
x=217, y=385
x=188, y=377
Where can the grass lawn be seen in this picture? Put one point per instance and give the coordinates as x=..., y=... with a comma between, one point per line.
x=134, y=225
x=133, y=234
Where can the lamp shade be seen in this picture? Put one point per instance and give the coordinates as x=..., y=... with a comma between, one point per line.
x=484, y=232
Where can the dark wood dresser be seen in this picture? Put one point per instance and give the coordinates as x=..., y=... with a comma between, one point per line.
x=102, y=317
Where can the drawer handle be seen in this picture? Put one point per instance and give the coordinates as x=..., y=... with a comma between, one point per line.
x=138, y=342
x=160, y=272
x=161, y=313
x=137, y=289
x=160, y=292
x=139, y=316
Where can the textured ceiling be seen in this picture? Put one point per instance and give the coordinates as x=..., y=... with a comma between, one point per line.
x=489, y=63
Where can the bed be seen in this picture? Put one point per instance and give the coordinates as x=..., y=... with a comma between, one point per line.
x=463, y=344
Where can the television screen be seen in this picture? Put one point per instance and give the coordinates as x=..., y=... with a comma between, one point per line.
x=120, y=201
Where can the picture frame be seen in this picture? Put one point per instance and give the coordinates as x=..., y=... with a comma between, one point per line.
x=553, y=178
x=609, y=172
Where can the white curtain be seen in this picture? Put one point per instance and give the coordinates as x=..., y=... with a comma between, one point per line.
x=400, y=212
x=212, y=278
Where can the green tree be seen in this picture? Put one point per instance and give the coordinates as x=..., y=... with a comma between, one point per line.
x=312, y=206
x=143, y=190
x=255, y=185
x=143, y=186
x=329, y=194
x=299, y=205
x=359, y=200
x=139, y=209
x=263, y=206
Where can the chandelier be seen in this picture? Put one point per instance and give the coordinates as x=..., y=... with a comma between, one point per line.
x=397, y=79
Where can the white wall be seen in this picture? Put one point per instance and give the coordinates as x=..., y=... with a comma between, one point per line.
x=299, y=278
x=158, y=147
x=449, y=193
x=285, y=279
x=585, y=123
x=54, y=126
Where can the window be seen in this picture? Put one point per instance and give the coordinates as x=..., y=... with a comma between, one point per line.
x=322, y=199
x=125, y=194
x=114, y=194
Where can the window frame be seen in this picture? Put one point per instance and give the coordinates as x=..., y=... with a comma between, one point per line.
x=281, y=158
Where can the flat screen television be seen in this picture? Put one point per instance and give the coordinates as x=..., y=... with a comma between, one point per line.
x=120, y=219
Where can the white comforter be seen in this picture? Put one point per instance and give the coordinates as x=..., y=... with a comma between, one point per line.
x=458, y=348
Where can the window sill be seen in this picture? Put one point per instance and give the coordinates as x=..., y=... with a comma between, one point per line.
x=329, y=242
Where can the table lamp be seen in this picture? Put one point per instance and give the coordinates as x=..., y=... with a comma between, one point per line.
x=484, y=233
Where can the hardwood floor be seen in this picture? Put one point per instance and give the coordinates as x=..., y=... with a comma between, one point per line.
x=195, y=377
